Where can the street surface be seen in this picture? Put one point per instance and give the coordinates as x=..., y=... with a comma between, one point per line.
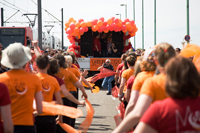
x=105, y=110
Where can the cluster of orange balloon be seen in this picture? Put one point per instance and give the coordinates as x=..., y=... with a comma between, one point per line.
x=74, y=28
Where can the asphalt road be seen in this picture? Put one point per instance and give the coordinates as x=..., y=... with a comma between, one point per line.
x=105, y=110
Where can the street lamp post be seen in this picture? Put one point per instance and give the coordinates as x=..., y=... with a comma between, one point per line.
x=125, y=9
x=119, y=15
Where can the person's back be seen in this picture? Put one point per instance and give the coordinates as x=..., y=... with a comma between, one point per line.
x=22, y=87
x=173, y=115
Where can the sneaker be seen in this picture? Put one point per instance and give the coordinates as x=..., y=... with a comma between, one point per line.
x=109, y=93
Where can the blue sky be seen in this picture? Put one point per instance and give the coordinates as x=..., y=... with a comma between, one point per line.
x=171, y=16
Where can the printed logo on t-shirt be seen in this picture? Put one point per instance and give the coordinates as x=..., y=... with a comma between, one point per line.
x=46, y=87
x=61, y=76
x=189, y=117
x=20, y=88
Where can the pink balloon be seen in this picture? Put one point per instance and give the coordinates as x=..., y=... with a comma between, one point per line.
x=94, y=22
x=113, y=25
x=104, y=23
x=69, y=36
x=102, y=28
x=123, y=28
x=123, y=23
x=116, y=20
x=86, y=29
x=132, y=22
x=111, y=29
x=80, y=20
x=69, y=31
x=113, y=18
x=117, y=29
x=72, y=26
x=81, y=30
x=126, y=20
x=107, y=27
x=102, y=19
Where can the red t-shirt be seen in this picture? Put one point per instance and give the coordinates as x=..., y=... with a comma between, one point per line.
x=60, y=81
x=120, y=74
x=120, y=66
x=98, y=44
x=130, y=82
x=174, y=115
x=4, y=100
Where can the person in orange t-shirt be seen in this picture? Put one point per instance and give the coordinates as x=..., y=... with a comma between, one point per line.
x=126, y=75
x=71, y=83
x=148, y=67
x=152, y=90
x=23, y=87
x=46, y=123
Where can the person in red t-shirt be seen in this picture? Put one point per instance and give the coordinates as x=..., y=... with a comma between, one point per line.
x=180, y=113
x=7, y=125
x=97, y=46
x=119, y=68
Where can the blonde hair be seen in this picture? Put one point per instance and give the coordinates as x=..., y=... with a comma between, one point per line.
x=68, y=60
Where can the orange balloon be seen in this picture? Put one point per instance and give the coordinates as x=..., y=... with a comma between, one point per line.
x=96, y=27
x=93, y=28
x=66, y=28
x=74, y=21
x=79, y=36
x=75, y=34
x=130, y=28
x=83, y=24
x=89, y=24
x=71, y=19
x=76, y=29
x=119, y=24
x=109, y=21
x=67, y=24
x=105, y=31
x=128, y=25
x=77, y=24
x=99, y=23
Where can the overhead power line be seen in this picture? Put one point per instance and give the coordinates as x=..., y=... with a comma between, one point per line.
x=8, y=6
x=14, y=5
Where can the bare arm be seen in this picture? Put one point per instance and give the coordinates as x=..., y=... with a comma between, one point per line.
x=79, y=85
x=59, y=101
x=36, y=50
x=38, y=100
x=132, y=102
x=86, y=82
x=7, y=119
x=69, y=95
x=127, y=94
x=99, y=68
x=134, y=116
x=121, y=87
x=144, y=128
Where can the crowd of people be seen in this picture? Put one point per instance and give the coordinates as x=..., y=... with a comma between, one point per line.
x=158, y=87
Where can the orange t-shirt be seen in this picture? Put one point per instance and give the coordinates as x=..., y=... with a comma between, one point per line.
x=127, y=74
x=74, y=66
x=50, y=86
x=74, y=71
x=69, y=79
x=140, y=78
x=155, y=87
x=22, y=87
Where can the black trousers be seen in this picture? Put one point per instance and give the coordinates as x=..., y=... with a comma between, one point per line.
x=45, y=124
x=24, y=129
x=68, y=120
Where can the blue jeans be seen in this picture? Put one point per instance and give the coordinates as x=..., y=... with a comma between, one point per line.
x=107, y=83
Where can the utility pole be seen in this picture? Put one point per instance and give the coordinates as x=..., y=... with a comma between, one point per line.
x=2, y=17
x=39, y=24
x=188, y=22
x=134, y=21
x=142, y=24
x=62, y=28
x=154, y=22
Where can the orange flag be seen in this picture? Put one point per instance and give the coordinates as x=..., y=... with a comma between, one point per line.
x=88, y=120
x=190, y=50
x=68, y=128
x=56, y=109
x=96, y=89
